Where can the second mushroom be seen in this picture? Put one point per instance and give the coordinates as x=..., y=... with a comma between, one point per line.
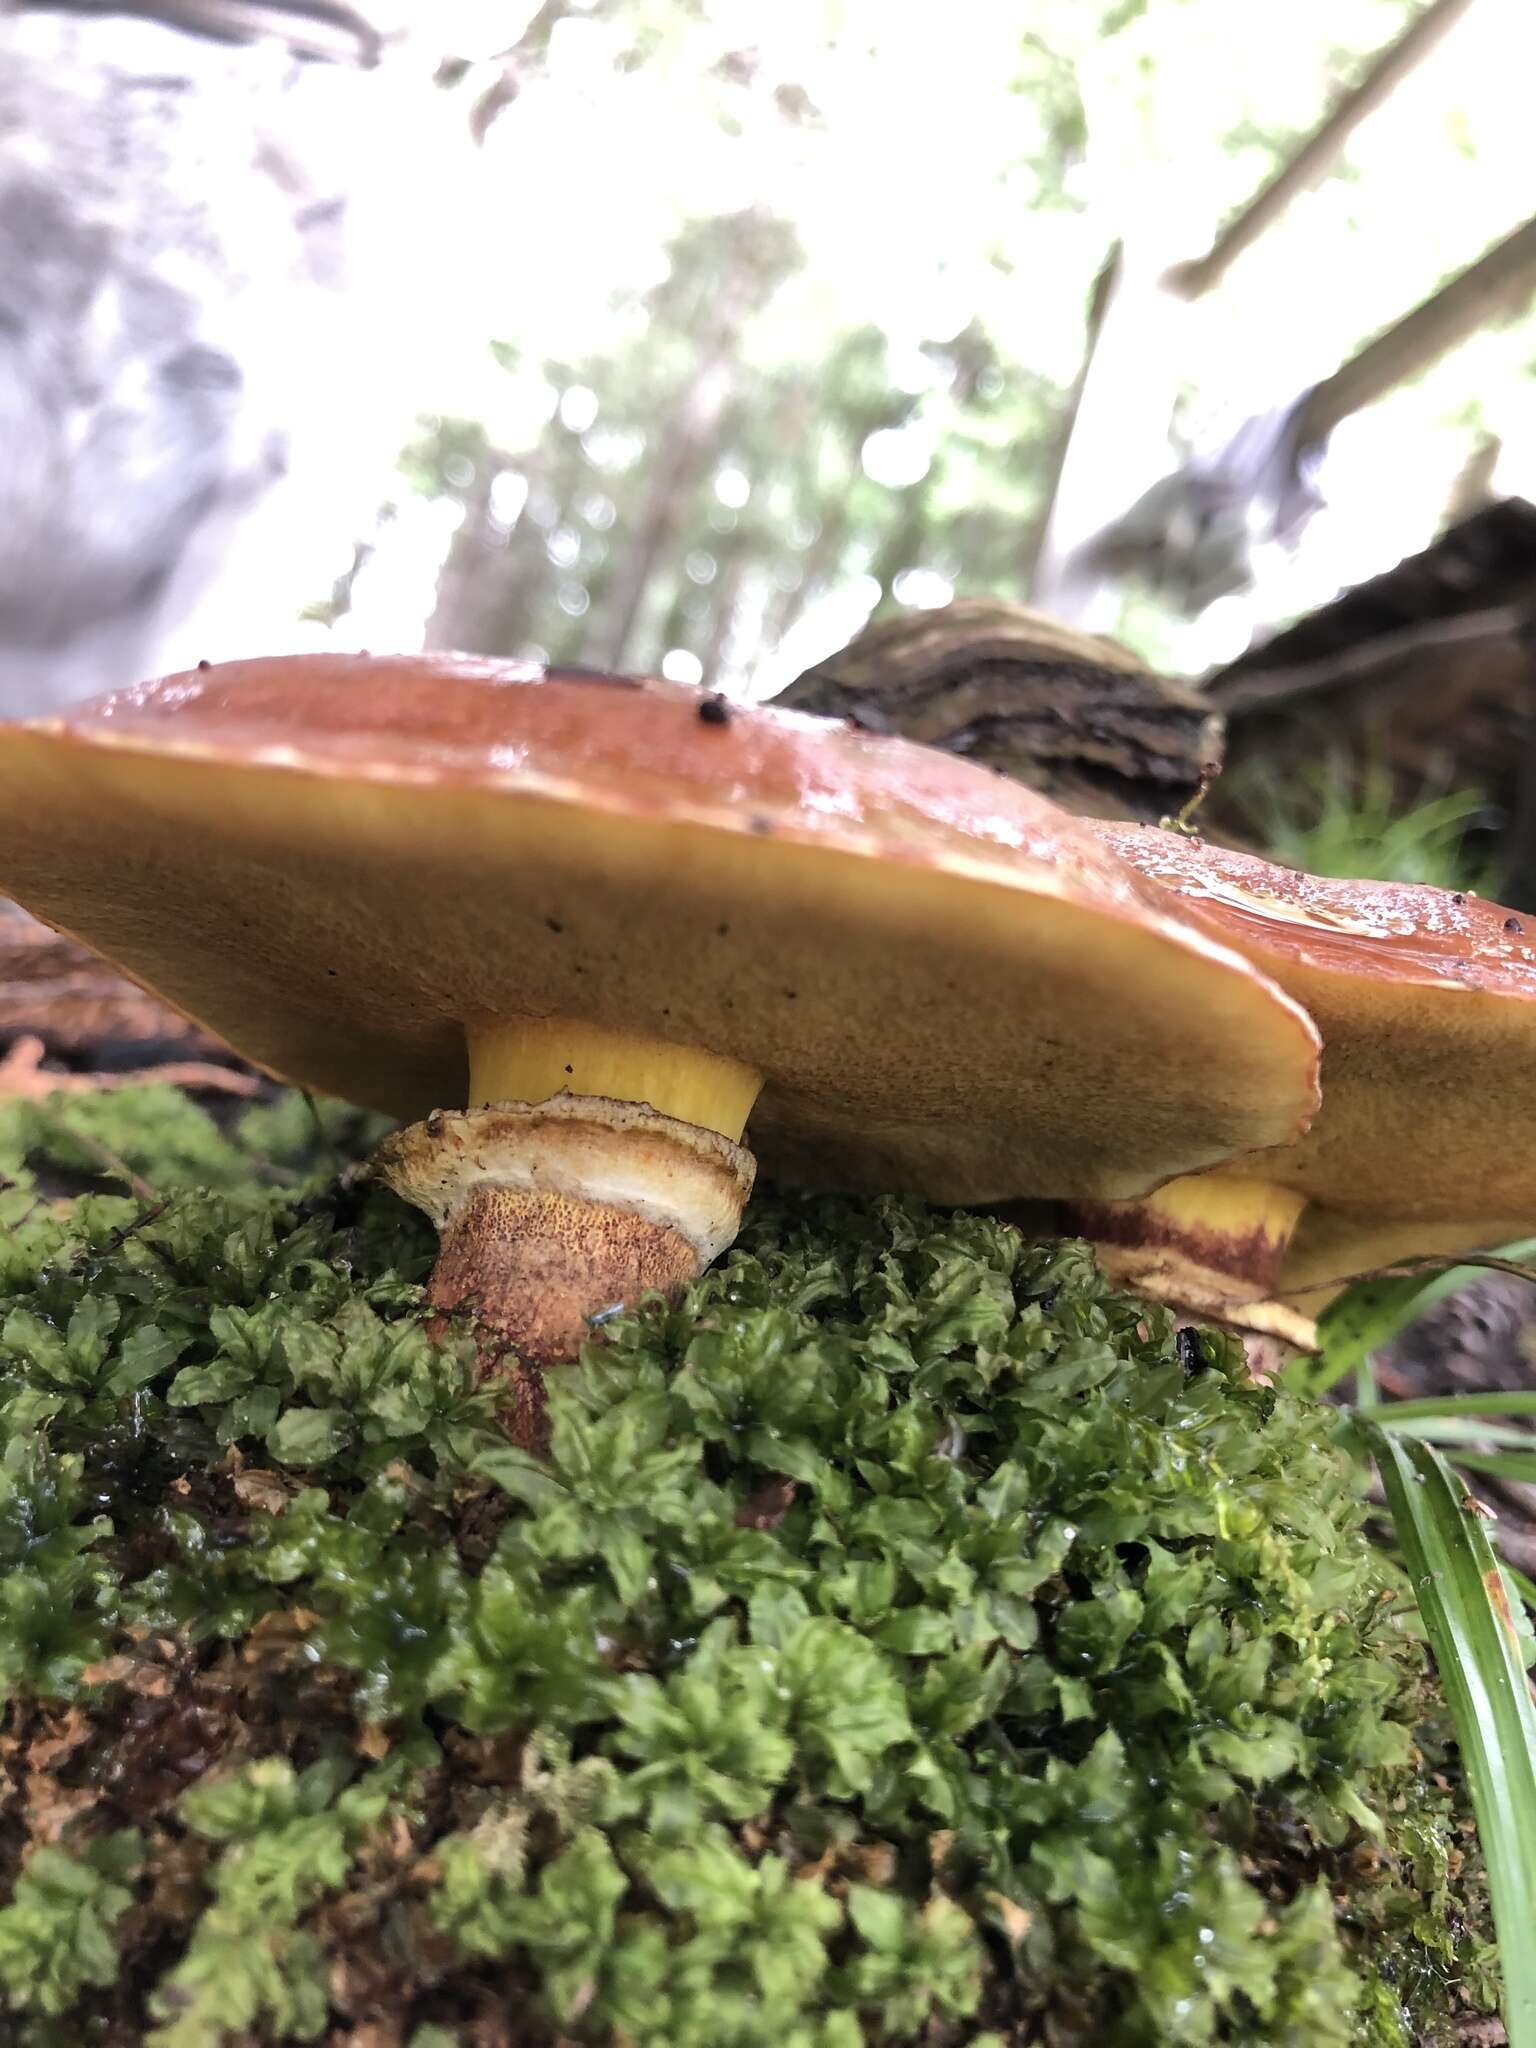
x=1426, y=1000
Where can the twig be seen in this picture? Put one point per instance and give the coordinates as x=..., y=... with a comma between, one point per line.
x=1405, y=1269
x=116, y=1239
x=22, y=1074
x=1261, y=689
x=327, y=1142
x=106, y=1158
x=115, y=1168
x=1320, y=152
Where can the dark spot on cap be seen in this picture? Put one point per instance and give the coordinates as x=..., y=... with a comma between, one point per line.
x=570, y=1070
x=554, y=924
x=204, y=665
x=722, y=931
x=763, y=827
x=714, y=711
x=1513, y=924
x=791, y=995
x=1457, y=897
x=330, y=970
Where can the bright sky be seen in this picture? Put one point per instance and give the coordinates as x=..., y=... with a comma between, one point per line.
x=901, y=192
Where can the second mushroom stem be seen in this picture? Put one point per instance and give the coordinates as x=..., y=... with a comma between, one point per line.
x=1211, y=1244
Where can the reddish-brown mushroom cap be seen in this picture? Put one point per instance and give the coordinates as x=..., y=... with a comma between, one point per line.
x=1426, y=1000
x=341, y=864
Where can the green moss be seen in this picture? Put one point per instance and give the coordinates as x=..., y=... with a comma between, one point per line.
x=907, y=1640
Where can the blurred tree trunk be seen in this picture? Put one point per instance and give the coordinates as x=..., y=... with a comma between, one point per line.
x=818, y=573
x=491, y=586
x=688, y=449
x=902, y=547
x=466, y=576
x=728, y=597
x=726, y=286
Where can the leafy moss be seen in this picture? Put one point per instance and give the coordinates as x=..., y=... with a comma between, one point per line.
x=56, y=1935
x=907, y=1639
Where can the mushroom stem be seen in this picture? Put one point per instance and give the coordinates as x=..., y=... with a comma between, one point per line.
x=1205, y=1243
x=533, y=1268
x=550, y=1212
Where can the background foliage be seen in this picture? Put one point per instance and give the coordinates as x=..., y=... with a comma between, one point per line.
x=772, y=320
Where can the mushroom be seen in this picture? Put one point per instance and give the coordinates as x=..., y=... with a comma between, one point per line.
x=577, y=928
x=1426, y=1001
x=1332, y=1248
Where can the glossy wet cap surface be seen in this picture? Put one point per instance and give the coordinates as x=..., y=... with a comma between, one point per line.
x=339, y=863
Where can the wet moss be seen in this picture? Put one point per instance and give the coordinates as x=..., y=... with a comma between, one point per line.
x=907, y=1640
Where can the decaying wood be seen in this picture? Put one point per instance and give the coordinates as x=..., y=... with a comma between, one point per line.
x=1428, y=670
x=56, y=990
x=22, y=1073
x=1501, y=280
x=1073, y=715
x=67, y=1021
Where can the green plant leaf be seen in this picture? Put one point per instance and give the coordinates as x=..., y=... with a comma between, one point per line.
x=307, y=1436
x=1465, y=1607
x=1393, y=1414
x=1504, y=1464
x=1370, y=1314
x=1452, y=1429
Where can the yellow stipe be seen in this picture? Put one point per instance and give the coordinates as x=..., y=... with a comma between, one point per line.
x=534, y=1059
x=1232, y=1207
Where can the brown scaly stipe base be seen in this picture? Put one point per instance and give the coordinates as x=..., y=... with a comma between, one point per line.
x=533, y=1267
x=1219, y=1276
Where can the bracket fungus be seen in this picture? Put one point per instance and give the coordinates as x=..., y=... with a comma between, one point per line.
x=578, y=929
x=1426, y=1000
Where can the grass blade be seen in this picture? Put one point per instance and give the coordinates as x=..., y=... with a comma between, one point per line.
x=1466, y=1614
x=1457, y=1429
x=1392, y=1414
x=1519, y=1465
x=1367, y=1316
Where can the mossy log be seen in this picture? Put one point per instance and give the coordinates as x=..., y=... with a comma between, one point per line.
x=906, y=1640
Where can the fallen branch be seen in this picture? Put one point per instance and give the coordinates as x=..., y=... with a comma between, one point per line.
x=23, y=1075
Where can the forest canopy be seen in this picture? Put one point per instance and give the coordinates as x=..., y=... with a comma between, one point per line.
x=776, y=320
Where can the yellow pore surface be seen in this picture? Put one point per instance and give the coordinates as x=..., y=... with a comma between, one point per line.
x=535, y=1058
x=1228, y=1205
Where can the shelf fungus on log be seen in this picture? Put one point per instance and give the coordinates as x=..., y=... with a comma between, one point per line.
x=1426, y=1001
x=579, y=931
x=1074, y=715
